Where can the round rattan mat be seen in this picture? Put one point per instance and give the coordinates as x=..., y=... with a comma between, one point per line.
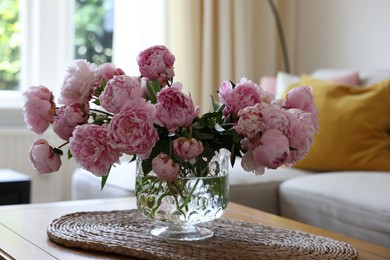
x=127, y=233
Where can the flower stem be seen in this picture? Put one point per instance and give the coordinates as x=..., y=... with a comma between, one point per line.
x=62, y=145
x=100, y=111
x=159, y=201
x=188, y=197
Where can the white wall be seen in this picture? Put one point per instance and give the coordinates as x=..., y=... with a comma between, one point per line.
x=342, y=34
x=15, y=143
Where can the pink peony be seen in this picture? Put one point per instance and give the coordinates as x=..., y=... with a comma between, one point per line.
x=68, y=117
x=187, y=148
x=43, y=157
x=156, y=63
x=274, y=149
x=246, y=93
x=77, y=114
x=79, y=83
x=267, y=96
x=165, y=168
x=302, y=134
x=302, y=98
x=225, y=91
x=274, y=118
x=118, y=91
x=251, y=122
x=108, y=70
x=39, y=109
x=174, y=108
x=133, y=129
x=93, y=148
x=61, y=126
x=249, y=164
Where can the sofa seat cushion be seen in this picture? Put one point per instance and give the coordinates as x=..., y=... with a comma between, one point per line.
x=120, y=183
x=355, y=204
x=259, y=191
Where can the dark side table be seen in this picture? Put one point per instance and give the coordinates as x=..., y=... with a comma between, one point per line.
x=14, y=187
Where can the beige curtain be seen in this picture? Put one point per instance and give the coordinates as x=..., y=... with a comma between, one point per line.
x=217, y=40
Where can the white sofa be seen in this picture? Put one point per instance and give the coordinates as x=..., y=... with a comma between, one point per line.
x=351, y=197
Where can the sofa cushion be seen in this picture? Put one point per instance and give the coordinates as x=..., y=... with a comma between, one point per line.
x=354, y=129
x=355, y=204
x=120, y=183
x=259, y=192
x=285, y=80
x=366, y=77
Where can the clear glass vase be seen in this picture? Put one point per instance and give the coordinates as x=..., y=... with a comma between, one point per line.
x=182, y=204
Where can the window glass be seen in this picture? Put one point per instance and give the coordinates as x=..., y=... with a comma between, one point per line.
x=94, y=30
x=9, y=45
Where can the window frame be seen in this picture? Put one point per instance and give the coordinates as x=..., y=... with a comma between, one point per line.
x=44, y=58
x=46, y=49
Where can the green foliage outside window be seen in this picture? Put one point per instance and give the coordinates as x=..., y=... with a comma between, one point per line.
x=9, y=45
x=93, y=36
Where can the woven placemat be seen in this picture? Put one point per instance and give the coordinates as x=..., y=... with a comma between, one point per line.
x=127, y=232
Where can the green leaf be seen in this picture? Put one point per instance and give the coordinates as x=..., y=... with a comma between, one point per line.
x=233, y=85
x=215, y=105
x=69, y=154
x=133, y=159
x=198, y=125
x=96, y=102
x=202, y=136
x=104, y=178
x=153, y=87
x=146, y=166
x=58, y=151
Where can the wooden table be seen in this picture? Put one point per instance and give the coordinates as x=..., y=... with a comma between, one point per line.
x=23, y=229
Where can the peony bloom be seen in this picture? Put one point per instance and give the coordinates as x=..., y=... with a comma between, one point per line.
x=118, y=91
x=107, y=71
x=68, y=117
x=274, y=149
x=267, y=96
x=93, y=148
x=249, y=164
x=187, y=148
x=302, y=134
x=225, y=91
x=39, y=109
x=43, y=157
x=79, y=83
x=165, y=168
x=251, y=122
x=77, y=114
x=156, y=63
x=61, y=126
x=274, y=118
x=174, y=108
x=302, y=98
x=132, y=129
x=246, y=93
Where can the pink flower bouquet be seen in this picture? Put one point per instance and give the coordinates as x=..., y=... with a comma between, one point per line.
x=102, y=113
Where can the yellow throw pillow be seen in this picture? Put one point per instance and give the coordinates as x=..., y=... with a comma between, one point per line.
x=354, y=129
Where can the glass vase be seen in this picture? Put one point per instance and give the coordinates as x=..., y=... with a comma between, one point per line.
x=180, y=205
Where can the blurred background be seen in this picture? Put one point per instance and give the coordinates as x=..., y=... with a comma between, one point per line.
x=213, y=41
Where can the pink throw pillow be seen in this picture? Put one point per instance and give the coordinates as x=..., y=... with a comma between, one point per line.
x=348, y=79
x=268, y=83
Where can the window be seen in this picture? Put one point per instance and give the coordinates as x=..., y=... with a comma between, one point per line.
x=9, y=45
x=94, y=30
x=53, y=33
